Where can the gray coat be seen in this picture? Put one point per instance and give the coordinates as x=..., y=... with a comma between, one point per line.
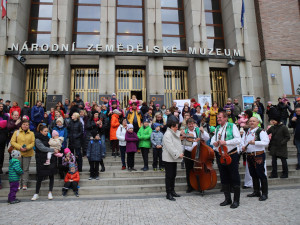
x=172, y=147
x=156, y=138
x=279, y=140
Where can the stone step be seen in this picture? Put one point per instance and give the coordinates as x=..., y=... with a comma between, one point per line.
x=131, y=189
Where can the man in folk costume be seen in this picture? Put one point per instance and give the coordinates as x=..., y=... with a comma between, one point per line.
x=254, y=143
x=198, y=133
x=227, y=134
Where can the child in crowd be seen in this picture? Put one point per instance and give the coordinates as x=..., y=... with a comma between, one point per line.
x=71, y=180
x=67, y=119
x=94, y=155
x=113, y=99
x=284, y=99
x=242, y=120
x=68, y=158
x=88, y=107
x=144, y=135
x=134, y=99
x=131, y=146
x=157, y=141
x=56, y=143
x=14, y=173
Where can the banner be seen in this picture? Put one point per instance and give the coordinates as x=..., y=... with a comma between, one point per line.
x=202, y=99
x=180, y=104
x=248, y=100
x=3, y=8
x=157, y=99
x=52, y=100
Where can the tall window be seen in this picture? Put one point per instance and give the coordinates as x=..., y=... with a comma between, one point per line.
x=40, y=22
x=214, y=24
x=130, y=22
x=173, y=29
x=86, y=22
x=291, y=80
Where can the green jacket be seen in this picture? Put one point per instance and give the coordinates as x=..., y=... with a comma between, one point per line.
x=144, y=135
x=15, y=170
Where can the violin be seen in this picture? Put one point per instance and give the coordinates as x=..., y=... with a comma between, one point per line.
x=225, y=159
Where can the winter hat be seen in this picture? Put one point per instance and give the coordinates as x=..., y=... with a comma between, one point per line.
x=193, y=100
x=67, y=150
x=113, y=94
x=146, y=120
x=60, y=119
x=116, y=111
x=298, y=99
x=15, y=154
x=157, y=105
x=156, y=125
x=72, y=165
x=55, y=133
x=26, y=103
x=3, y=124
x=269, y=102
x=129, y=126
x=25, y=118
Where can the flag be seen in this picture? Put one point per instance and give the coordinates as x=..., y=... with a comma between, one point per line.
x=242, y=13
x=3, y=8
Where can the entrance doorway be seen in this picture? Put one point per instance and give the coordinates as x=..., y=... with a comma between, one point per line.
x=130, y=81
x=218, y=81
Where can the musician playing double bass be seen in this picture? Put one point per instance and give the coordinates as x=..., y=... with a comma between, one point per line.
x=227, y=134
x=196, y=133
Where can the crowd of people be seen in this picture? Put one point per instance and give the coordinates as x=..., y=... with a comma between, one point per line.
x=59, y=140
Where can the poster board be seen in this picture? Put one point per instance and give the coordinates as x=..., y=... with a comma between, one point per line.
x=101, y=98
x=248, y=100
x=180, y=104
x=204, y=98
x=52, y=101
x=158, y=99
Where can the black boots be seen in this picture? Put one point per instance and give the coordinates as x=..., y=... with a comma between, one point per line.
x=236, y=198
x=256, y=188
x=227, y=194
x=102, y=166
x=64, y=191
x=264, y=190
x=174, y=194
x=170, y=197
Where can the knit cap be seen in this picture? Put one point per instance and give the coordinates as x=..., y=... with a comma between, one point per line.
x=129, y=126
x=55, y=133
x=60, y=119
x=15, y=154
x=26, y=103
x=116, y=111
x=67, y=150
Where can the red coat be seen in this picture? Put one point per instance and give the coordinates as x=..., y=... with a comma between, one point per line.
x=75, y=177
x=53, y=114
x=114, y=124
x=14, y=108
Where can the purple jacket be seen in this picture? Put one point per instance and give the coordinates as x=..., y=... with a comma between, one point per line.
x=131, y=142
x=230, y=106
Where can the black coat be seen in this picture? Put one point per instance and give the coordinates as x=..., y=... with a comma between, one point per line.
x=283, y=110
x=3, y=132
x=41, y=146
x=26, y=112
x=279, y=140
x=75, y=132
x=272, y=112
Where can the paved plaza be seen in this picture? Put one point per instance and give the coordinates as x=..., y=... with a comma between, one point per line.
x=282, y=207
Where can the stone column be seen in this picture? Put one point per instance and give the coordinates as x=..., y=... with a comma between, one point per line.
x=198, y=72
x=107, y=37
x=153, y=37
x=12, y=72
x=59, y=66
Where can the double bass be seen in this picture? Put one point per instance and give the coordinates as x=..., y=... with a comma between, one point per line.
x=202, y=176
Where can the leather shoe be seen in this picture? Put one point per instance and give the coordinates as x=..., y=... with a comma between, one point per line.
x=189, y=190
x=170, y=197
x=263, y=198
x=272, y=176
x=284, y=176
x=254, y=194
x=174, y=194
x=226, y=202
x=234, y=205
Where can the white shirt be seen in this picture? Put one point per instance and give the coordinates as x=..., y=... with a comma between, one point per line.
x=204, y=136
x=259, y=145
x=231, y=144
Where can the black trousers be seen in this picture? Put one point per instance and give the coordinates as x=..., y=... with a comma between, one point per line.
x=123, y=151
x=171, y=169
x=145, y=152
x=285, y=169
x=114, y=146
x=230, y=174
x=157, y=155
x=78, y=157
x=71, y=185
x=189, y=164
x=39, y=183
x=256, y=165
x=130, y=159
x=94, y=168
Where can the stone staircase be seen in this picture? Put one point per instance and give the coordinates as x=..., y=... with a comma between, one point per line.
x=115, y=181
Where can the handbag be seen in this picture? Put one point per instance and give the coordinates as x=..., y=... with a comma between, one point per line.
x=10, y=148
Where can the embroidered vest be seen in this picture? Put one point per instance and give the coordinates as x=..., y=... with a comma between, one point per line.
x=229, y=131
x=197, y=130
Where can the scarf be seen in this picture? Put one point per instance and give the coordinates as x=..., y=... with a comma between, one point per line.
x=43, y=139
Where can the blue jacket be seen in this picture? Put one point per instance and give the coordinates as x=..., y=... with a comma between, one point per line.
x=94, y=151
x=62, y=132
x=37, y=114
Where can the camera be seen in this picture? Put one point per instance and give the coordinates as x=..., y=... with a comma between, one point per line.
x=21, y=59
x=231, y=63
